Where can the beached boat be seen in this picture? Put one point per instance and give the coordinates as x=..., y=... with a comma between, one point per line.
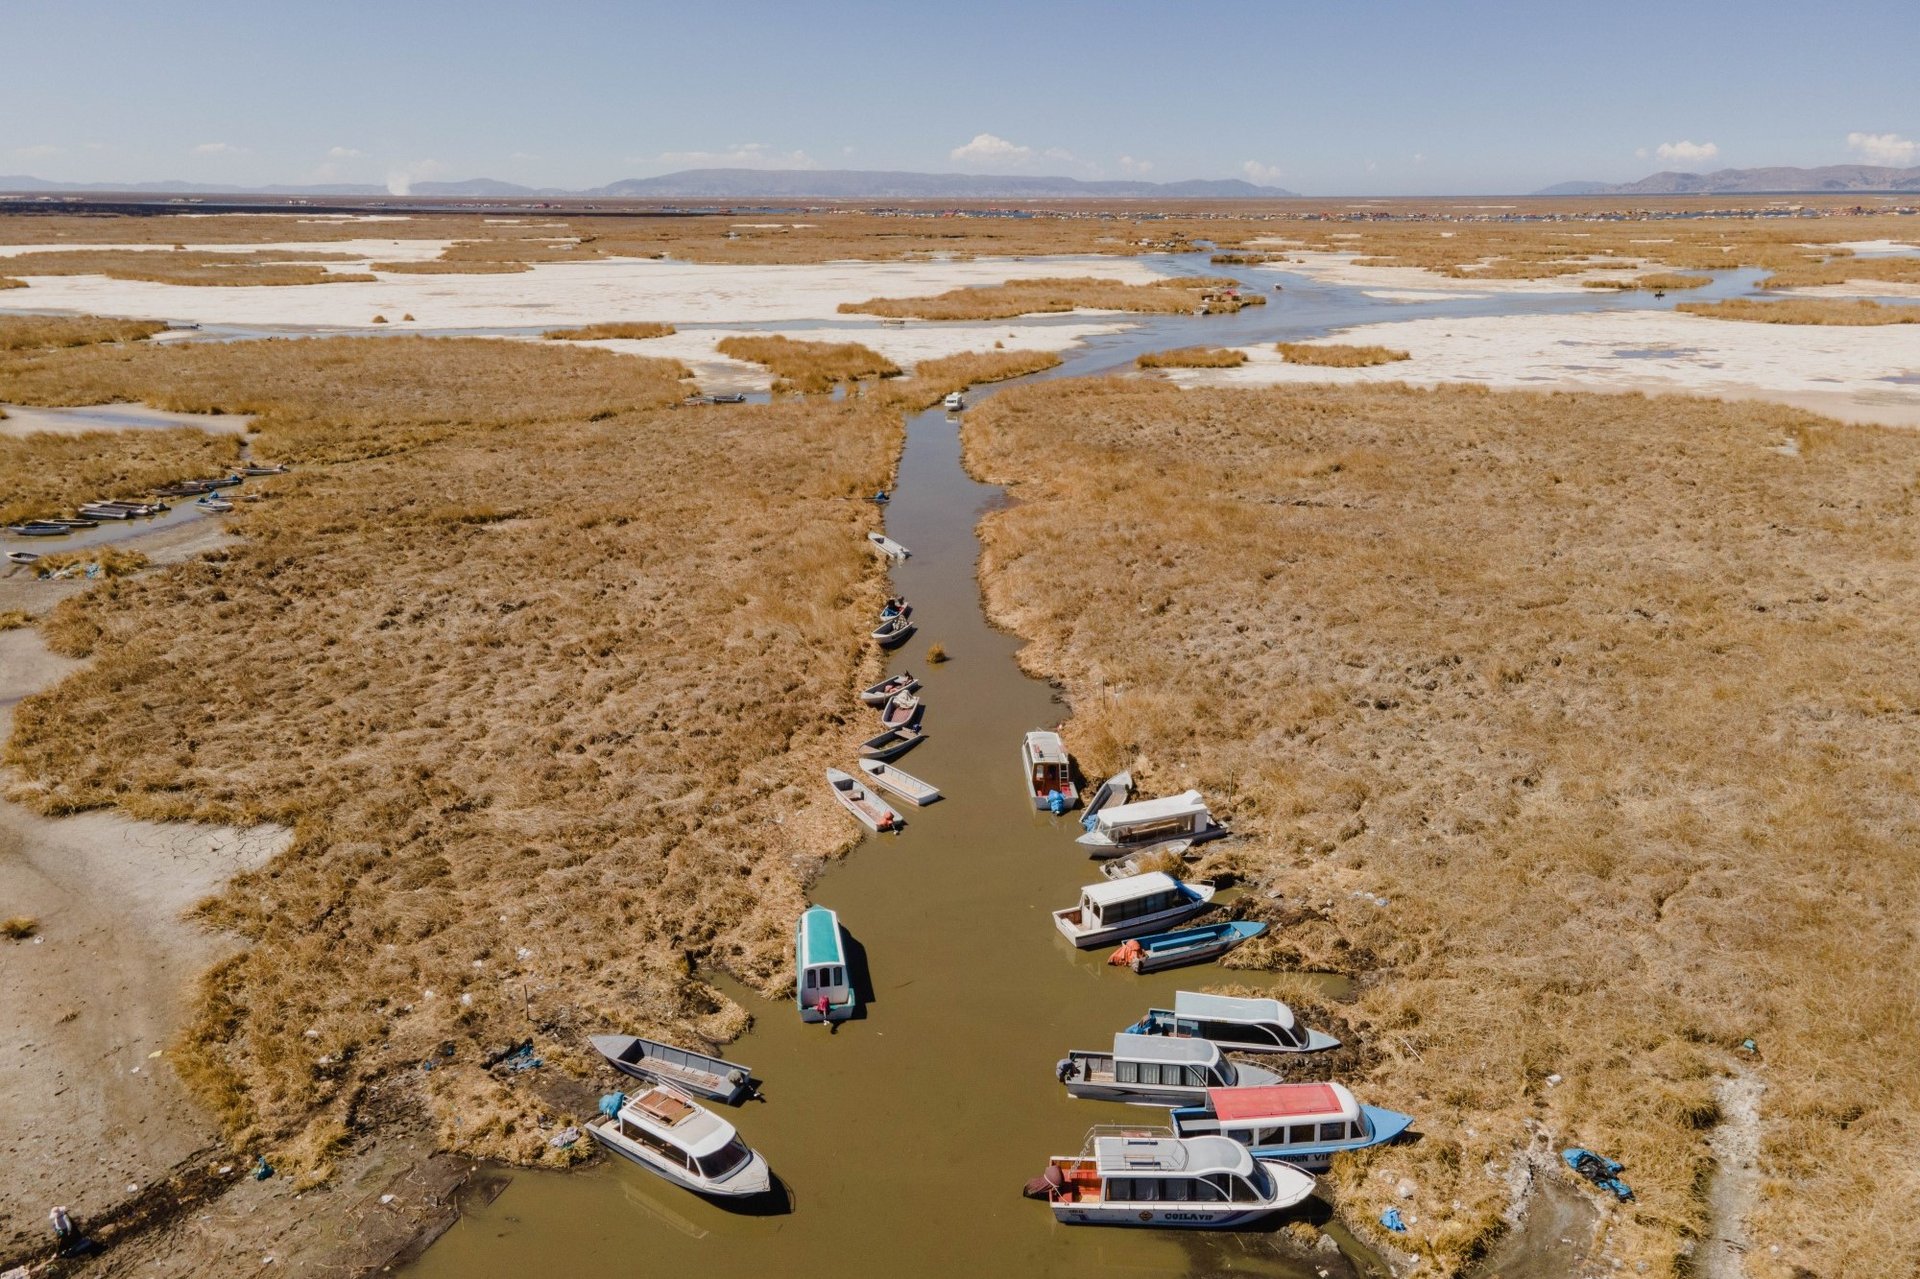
x=1047, y=770
x=872, y=812
x=901, y=710
x=1147, y=1070
x=71, y=524
x=121, y=510
x=39, y=528
x=258, y=468
x=185, y=488
x=1126, y=828
x=888, y=547
x=1306, y=1124
x=217, y=505
x=1159, y=857
x=1117, y=909
x=22, y=557
x=893, y=632
x=669, y=1133
x=895, y=607
x=823, y=980
x=879, y=694
x=1249, y=1025
x=649, y=1059
x=954, y=402
x=1117, y=789
x=1127, y=1176
x=895, y=741
x=1158, y=951
x=905, y=785
x=727, y=397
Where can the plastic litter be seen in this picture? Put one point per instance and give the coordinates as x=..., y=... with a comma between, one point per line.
x=564, y=1138
x=610, y=1104
x=1391, y=1220
x=261, y=1168
x=1600, y=1170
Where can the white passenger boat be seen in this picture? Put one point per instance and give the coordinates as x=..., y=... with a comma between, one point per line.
x=905, y=785
x=1307, y=1123
x=1146, y=1070
x=1048, y=770
x=1116, y=909
x=661, y=1063
x=868, y=808
x=888, y=547
x=667, y=1132
x=1250, y=1025
x=822, y=978
x=1149, y=1177
x=1127, y=828
x=954, y=403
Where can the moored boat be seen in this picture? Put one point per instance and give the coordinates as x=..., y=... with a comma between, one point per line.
x=1306, y=1124
x=1150, y=1071
x=1117, y=789
x=1125, y=828
x=895, y=607
x=1249, y=1025
x=217, y=505
x=893, y=742
x=39, y=528
x=1140, y=904
x=1156, y=952
x=905, y=785
x=893, y=632
x=258, y=468
x=878, y=694
x=888, y=547
x=669, y=1133
x=954, y=402
x=1159, y=857
x=22, y=557
x=869, y=809
x=656, y=1062
x=1128, y=1176
x=901, y=710
x=1048, y=770
x=822, y=978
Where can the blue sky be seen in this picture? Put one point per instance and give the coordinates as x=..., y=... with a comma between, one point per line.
x=1334, y=97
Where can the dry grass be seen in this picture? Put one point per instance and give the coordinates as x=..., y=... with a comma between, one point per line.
x=263, y=266
x=933, y=380
x=19, y=927
x=1611, y=698
x=1657, y=281
x=44, y=475
x=619, y=329
x=809, y=367
x=501, y=665
x=1804, y=311
x=101, y=561
x=1337, y=356
x=936, y=653
x=44, y=332
x=1193, y=357
x=13, y=619
x=1051, y=296
x=8, y=282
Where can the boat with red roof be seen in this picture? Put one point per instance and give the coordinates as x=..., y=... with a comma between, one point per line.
x=1305, y=1124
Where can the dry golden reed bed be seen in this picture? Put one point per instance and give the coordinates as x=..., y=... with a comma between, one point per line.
x=1193, y=357
x=1336, y=356
x=1804, y=311
x=810, y=367
x=263, y=266
x=620, y=329
x=1048, y=296
x=1611, y=699
x=1658, y=280
x=932, y=380
x=44, y=332
x=517, y=670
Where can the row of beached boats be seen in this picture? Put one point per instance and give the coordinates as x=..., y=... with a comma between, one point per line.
x=90, y=514
x=897, y=699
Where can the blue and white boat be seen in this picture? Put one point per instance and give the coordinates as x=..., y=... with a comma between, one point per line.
x=1157, y=951
x=1134, y=907
x=1248, y=1025
x=1304, y=1124
x=823, y=981
x=673, y=1136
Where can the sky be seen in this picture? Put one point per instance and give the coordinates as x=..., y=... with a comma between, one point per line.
x=1336, y=97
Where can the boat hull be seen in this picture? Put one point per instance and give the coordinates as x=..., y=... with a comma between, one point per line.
x=1176, y=1095
x=1199, y=946
x=713, y=1080
x=1382, y=1126
x=1183, y=1216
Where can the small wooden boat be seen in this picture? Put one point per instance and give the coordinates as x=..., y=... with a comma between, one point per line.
x=730, y=397
x=1246, y=1025
x=39, y=528
x=905, y=785
x=1157, y=951
x=667, y=1132
x=649, y=1059
x=121, y=510
x=1305, y=1123
x=896, y=606
x=879, y=694
x=892, y=743
x=888, y=547
x=901, y=710
x=28, y=557
x=186, y=488
x=823, y=979
x=1048, y=770
x=218, y=505
x=954, y=403
x=72, y=523
x=263, y=469
x=871, y=811
x=1159, y=857
x=893, y=633
x=1128, y=1176
x=1132, y=907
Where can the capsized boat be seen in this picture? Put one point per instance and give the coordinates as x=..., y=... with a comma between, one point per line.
x=1126, y=1176
x=1150, y=1071
x=872, y=812
x=905, y=785
x=667, y=1132
x=1118, y=909
x=1126, y=828
x=901, y=710
x=1306, y=1124
x=893, y=632
x=1158, y=951
x=1249, y=1025
x=656, y=1062
x=823, y=980
x=888, y=547
x=878, y=694
x=893, y=742
x=1048, y=769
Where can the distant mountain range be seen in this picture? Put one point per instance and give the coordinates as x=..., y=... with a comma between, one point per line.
x=725, y=184
x=1831, y=178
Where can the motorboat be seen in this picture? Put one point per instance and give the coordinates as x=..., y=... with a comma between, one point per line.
x=670, y=1134
x=1150, y=1177
x=1248, y=1025
x=823, y=980
x=656, y=1062
x=1114, y=910
x=1150, y=1071
x=1304, y=1123
x=1048, y=770
x=867, y=808
x=1157, y=951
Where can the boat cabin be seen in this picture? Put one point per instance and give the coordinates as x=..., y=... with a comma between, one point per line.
x=1125, y=827
x=823, y=981
x=1251, y=1025
x=1154, y=1071
x=667, y=1132
x=1306, y=1123
x=1048, y=769
x=1116, y=909
x=1149, y=1177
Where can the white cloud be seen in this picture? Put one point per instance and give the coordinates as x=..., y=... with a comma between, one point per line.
x=987, y=148
x=1130, y=165
x=1259, y=174
x=345, y=153
x=744, y=155
x=1685, y=152
x=39, y=151
x=1884, y=148
x=218, y=148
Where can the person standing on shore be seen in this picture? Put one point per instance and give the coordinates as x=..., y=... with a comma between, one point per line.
x=63, y=1228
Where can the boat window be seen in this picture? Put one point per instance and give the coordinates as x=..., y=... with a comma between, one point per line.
x=1126, y=1072
x=808, y=984
x=1244, y=1191
x=1120, y=1188
x=1300, y=1135
x=1223, y=1073
x=1355, y=1131
x=1291, y=1036
x=1262, y=1035
x=1261, y=1183
x=1333, y=1132
x=1146, y=1189
x=723, y=1161
x=1196, y=1076
x=838, y=977
x=1176, y=1188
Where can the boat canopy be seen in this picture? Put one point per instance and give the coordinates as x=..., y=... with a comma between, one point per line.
x=692, y=1128
x=1195, y=1156
x=1191, y=1005
x=1187, y=805
x=1109, y=891
x=1200, y=1052
x=820, y=931
x=1283, y=1102
x=1046, y=748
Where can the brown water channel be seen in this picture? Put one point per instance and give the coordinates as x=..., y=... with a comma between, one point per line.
x=904, y=1137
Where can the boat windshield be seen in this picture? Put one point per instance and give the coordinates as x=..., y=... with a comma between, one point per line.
x=724, y=1161
x=1262, y=1181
